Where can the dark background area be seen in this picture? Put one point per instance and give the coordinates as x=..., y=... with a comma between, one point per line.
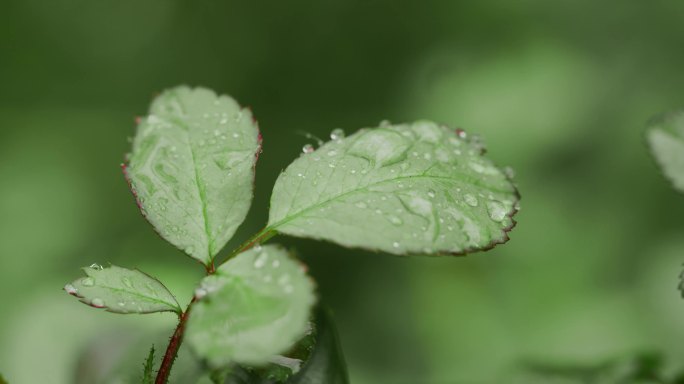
x=560, y=91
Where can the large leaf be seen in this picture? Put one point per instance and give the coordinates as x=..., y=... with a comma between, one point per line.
x=192, y=168
x=666, y=139
x=417, y=188
x=254, y=307
x=122, y=290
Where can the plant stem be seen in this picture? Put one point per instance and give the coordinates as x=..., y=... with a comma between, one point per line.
x=260, y=237
x=172, y=349
x=177, y=338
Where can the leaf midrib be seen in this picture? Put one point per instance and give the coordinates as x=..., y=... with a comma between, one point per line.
x=296, y=215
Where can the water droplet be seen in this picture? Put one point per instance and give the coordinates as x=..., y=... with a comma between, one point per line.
x=396, y=244
x=258, y=247
x=189, y=249
x=97, y=302
x=127, y=282
x=332, y=153
x=395, y=220
x=308, y=148
x=431, y=193
x=96, y=266
x=275, y=263
x=470, y=200
x=461, y=133
x=361, y=205
x=496, y=210
x=121, y=303
x=88, y=282
x=284, y=279
x=200, y=293
x=261, y=260
x=70, y=289
x=337, y=134
x=385, y=123
x=509, y=172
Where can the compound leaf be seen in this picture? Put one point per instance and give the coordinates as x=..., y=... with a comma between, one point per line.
x=254, y=307
x=666, y=140
x=122, y=290
x=417, y=188
x=192, y=168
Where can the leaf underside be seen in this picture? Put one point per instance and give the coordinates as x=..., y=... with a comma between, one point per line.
x=254, y=307
x=192, y=168
x=418, y=188
x=122, y=290
x=666, y=140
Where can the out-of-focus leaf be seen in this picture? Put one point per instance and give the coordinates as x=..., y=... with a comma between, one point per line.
x=326, y=362
x=316, y=359
x=192, y=168
x=2, y=380
x=122, y=290
x=666, y=139
x=640, y=369
x=417, y=188
x=254, y=307
x=148, y=368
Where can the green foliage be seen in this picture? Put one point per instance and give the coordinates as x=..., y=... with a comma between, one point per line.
x=666, y=139
x=2, y=380
x=417, y=188
x=122, y=290
x=254, y=307
x=316, y=358
x=148, y=368
x=192, y=168
x=639, y=369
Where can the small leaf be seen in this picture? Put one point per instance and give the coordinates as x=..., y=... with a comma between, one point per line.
x=148, y=368
x=666, y=139
x=192, y=168
x=122, y=290
x=254, y=307
x=415, y=188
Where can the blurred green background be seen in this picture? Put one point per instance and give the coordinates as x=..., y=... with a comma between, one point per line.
x=560, y=91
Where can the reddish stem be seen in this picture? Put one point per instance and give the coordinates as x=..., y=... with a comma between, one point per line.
x=172, y=349
x=177, y=338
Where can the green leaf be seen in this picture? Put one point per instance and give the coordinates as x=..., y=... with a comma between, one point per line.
x=326, y=362
x=2, y=380
x=192, y=168
x=417, y=188
x=254, y=307
x=315, y=359
x=666, y=140
x=148, y=368
x=122, y=290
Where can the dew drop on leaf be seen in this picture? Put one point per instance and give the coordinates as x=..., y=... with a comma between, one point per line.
x=496, y=210
x=307, y=148
x=97, y=302
x=470, y=200
x=88, y=282
x=337, y=134
x=70, y=289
